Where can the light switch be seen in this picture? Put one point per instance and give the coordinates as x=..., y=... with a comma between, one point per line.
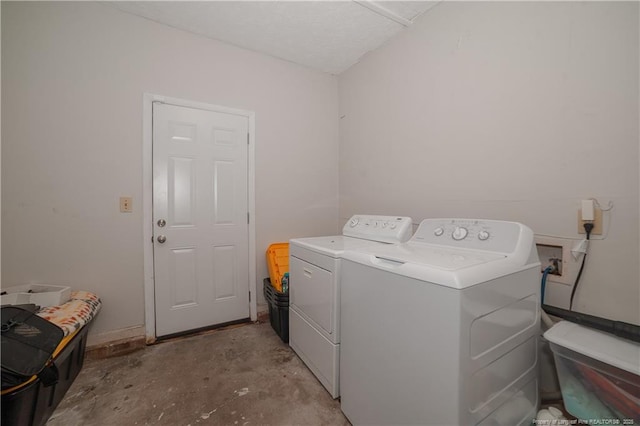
x=126, y=204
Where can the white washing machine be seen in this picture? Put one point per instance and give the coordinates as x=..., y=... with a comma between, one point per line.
x=442, y=330
x=314, y=289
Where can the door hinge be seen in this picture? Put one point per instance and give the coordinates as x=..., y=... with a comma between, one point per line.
x=249, y=296
x=247, y=218
x=247, y=138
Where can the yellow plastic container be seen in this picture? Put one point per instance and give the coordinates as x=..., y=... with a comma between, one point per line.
x=278, y=263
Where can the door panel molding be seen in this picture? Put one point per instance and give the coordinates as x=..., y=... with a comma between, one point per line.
x=147, y=198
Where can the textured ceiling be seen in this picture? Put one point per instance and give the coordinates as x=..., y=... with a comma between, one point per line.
x=329, y=36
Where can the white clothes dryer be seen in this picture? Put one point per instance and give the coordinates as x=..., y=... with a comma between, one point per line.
x=442, y=330
x=314, y=289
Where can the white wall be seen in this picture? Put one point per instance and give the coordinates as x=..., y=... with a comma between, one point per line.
x=499, y=110
x=73, y=77
x=505, y=110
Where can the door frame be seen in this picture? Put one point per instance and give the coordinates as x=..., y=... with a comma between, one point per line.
x=147, y=202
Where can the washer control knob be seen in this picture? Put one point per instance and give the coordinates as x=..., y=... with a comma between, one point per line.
x=438, y=232
x=483, y=235
x=459, y=233
x=384, y=225
x=354, y=222
x=392, y=226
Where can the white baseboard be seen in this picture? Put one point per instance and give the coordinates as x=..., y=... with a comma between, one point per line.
x=101, y=339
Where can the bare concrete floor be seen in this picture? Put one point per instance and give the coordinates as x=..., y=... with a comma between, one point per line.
x=238, y=376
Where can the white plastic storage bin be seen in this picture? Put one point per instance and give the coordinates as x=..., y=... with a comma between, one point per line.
x=599, y=373
x=39, y=294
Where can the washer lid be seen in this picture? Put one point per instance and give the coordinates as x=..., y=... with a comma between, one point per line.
x=430, y=256
x=458, y=253
x=445, y=266
x=333, y=246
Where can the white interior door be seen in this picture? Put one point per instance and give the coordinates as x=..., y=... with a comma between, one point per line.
x=200, y=215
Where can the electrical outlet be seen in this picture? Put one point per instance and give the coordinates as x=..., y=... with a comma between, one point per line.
x=597, y=222
x=126, y=204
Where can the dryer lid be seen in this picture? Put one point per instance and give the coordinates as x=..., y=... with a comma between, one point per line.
x=333, y=246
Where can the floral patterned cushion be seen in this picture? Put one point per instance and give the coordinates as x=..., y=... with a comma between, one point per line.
x=71, y=316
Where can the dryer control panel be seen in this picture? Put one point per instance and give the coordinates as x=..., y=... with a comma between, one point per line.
x=488, y=235
x=386, y=229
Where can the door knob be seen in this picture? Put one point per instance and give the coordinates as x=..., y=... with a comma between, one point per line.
x=161, y=239
x=162, y=223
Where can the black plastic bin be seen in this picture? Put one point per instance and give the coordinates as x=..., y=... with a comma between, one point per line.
x=32, y=404
x=278, y=310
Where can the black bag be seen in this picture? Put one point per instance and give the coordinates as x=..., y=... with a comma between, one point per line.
x=28, y=343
